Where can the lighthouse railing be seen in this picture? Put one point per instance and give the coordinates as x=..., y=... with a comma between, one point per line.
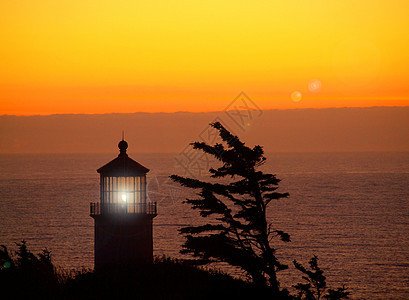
x=97, y=208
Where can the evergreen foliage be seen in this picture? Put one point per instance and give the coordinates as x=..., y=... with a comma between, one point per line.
x=242, y=237
x=315, y=284
x=240, y=233
x=24, y=273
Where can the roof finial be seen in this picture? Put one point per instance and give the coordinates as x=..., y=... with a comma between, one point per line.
x=122, y=145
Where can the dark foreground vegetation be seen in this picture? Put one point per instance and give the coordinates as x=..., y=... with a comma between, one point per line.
x=24, y=275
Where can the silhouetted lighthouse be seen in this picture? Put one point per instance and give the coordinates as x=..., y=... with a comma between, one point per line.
x=123, y=217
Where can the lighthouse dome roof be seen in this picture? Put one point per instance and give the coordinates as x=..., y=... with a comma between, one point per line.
x=123, y=165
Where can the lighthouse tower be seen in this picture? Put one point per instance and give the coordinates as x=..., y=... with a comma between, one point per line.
x=123, y=217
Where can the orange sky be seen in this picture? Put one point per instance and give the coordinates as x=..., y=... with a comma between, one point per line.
x=89, y=56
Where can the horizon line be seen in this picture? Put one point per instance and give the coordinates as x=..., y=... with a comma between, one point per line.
x=203, y=112
x=178, y=152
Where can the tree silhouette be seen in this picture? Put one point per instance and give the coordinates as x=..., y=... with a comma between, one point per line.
x=26, y=275
x=315, y=284
x=241, y=235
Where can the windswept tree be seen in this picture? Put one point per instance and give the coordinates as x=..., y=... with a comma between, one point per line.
x=240, y=233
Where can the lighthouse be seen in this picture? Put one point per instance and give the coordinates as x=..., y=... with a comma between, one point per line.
x=123, y=216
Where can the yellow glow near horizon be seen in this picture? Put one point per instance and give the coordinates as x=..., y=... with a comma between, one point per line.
x=107, y=56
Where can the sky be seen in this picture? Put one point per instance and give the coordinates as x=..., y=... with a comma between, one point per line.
x=105, y=56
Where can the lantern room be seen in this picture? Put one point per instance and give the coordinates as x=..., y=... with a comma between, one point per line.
x=123, y=187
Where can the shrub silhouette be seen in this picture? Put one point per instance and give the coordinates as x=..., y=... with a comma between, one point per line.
x=27, y=274
x=315, y=284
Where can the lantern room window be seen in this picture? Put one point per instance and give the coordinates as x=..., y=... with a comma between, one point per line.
x=124, y=191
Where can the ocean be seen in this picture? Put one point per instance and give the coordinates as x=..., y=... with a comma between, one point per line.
x=349, y=209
